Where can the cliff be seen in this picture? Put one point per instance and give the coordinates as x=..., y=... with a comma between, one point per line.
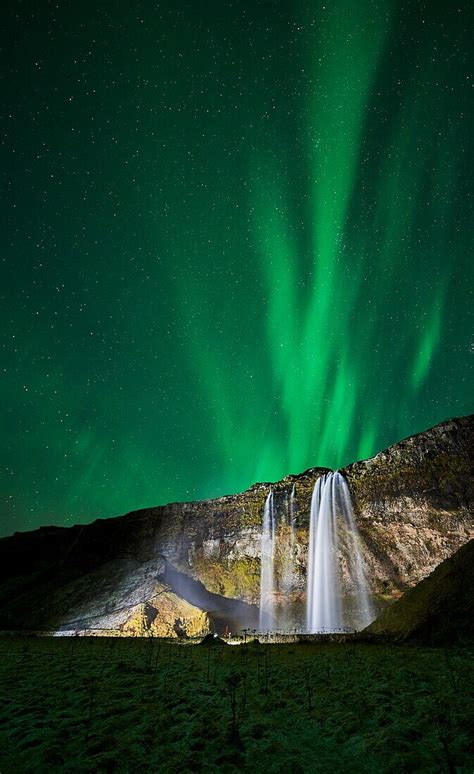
x=413, y=504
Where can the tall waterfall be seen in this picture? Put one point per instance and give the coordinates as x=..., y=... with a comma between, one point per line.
x=333, y=531
x=267, y=570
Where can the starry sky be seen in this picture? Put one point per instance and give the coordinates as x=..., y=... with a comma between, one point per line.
x=236, y=243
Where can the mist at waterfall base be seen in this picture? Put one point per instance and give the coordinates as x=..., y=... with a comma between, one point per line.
x=337, y=591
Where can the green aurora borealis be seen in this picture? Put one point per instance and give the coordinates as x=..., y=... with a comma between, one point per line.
x=237, y=244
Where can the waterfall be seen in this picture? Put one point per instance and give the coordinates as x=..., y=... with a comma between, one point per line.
x=267, y=579
x=364, y=605
x=323, y=598
x=332, y=526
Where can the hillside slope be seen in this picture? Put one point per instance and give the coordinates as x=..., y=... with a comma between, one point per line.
x=439, y=609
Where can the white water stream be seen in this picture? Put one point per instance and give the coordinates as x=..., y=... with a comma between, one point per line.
x=333, y=527
x=267, y=575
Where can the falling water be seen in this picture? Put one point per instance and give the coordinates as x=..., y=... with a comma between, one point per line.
x=267, y=580
x=331, y=524
x=364, y=605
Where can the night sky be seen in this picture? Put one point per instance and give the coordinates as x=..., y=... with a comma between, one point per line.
x=236, y=243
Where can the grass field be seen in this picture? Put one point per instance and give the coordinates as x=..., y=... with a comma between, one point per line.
x=137, y=705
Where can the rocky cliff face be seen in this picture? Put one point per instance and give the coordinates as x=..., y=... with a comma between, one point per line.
x=413, y=505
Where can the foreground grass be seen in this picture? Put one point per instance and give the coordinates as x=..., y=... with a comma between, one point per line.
x=90, y=704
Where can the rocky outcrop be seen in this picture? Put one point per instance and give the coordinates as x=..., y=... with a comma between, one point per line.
x=413, y=504
x=166, y=615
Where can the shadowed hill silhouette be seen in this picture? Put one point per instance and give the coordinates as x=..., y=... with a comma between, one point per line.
x=439, y=609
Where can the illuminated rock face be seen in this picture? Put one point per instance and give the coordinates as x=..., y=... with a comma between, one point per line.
x=413, y=505
x=166, y=616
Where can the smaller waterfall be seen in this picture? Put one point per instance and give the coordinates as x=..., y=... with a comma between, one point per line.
x=333, y=530
x=267, y=579
x=365, y=607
